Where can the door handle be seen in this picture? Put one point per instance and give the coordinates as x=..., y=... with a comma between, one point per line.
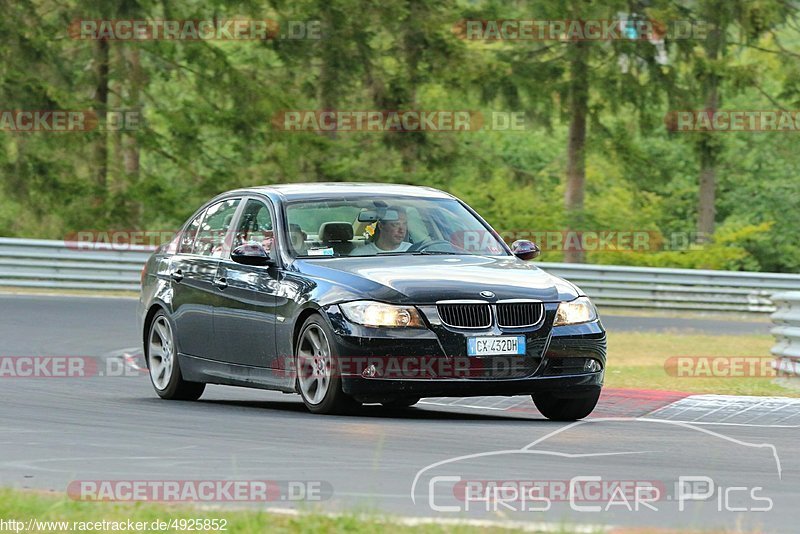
x=176, y=275
x=221, y=283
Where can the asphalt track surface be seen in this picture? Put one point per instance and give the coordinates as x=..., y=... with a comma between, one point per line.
x=58, y=430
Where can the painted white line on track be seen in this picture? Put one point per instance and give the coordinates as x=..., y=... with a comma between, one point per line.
x=712, y=423
x=736, y=410
x=745, y=410
x=773, y=410
x=730, y=410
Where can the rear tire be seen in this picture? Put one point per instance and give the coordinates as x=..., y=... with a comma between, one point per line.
x=319, y=378
x=163, y=365
x=564, y=408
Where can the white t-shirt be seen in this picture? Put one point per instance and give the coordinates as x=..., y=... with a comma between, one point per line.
x=371, y=249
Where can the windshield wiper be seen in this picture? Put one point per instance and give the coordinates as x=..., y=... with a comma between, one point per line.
x=436, y=253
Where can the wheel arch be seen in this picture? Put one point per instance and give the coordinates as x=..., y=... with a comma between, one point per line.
x=302, y=317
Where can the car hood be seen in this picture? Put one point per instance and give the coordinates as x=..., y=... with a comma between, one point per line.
x=427, y=279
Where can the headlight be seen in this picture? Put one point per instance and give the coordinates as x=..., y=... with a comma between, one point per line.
x=369, y=313
x=580, y=310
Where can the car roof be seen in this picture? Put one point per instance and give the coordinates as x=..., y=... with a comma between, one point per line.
x=339, y=189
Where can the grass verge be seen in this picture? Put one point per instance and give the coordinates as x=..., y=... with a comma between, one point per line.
x=80, y=516
x=24, y=506
x=638, y=360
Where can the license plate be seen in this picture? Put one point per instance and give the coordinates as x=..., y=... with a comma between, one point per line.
x=490, y=346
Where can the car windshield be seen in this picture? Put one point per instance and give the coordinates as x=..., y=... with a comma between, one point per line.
x=383, y=225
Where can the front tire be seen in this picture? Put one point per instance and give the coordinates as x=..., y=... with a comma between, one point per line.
x=562, y=408
x=319, y=377
x=162, y=362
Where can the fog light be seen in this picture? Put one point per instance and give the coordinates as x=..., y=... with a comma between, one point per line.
x=369, y=371
x=591, y=366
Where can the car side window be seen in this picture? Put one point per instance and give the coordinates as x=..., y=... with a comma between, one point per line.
x=189, y=235
x=255, y=226
x=211, y=237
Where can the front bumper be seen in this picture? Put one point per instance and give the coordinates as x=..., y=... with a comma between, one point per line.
x=432, y=363
x=378, y=390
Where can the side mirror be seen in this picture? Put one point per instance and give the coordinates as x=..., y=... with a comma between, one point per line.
x=525, y=250
x=251, y=254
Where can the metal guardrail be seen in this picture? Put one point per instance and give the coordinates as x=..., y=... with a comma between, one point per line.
x=787, y=332
x=41, y=263
x=677, y=289
x=98, y=267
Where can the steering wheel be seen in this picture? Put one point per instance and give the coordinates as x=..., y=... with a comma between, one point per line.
x=424, y=245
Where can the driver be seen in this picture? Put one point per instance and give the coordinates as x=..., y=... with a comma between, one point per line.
x=389, y=235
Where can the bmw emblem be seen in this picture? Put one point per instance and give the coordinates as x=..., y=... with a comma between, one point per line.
x=487, y=294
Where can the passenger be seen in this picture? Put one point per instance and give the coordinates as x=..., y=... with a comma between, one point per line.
x=298, y=239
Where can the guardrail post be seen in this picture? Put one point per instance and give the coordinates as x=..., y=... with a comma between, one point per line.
x=787, y=332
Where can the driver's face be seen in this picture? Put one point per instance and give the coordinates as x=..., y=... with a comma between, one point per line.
x=394, y=232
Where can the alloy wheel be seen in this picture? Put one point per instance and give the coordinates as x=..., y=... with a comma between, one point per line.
x=314, y=364
x=161, y=352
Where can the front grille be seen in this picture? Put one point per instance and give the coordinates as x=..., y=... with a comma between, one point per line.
x=517, y=314
x=466, y=315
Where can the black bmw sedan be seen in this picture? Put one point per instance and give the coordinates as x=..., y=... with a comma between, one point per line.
x=362, y=293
